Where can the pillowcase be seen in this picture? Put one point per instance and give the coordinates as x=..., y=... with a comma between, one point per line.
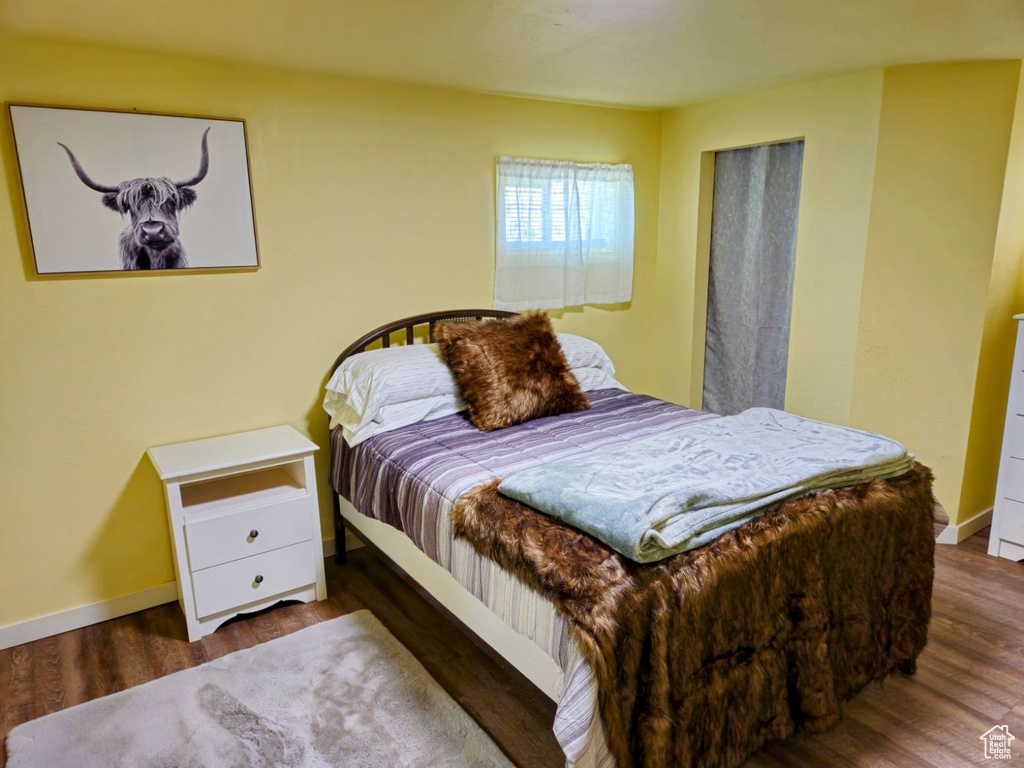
x=510, y=371
x=592, y=379
x=581, y=352
x=384, y=389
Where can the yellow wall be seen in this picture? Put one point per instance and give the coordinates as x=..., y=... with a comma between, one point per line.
x=373, y=201
x=942, y=150
x=1005, y=299
x=838, y=120
x=376, y=200
x=902, y=182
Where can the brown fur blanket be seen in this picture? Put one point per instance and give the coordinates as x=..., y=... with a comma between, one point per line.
x=703, y=657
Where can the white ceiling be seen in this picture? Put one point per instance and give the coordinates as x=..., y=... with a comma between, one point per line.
x=639, y=53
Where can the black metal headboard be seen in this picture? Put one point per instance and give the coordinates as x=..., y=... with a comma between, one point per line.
x=409, y=324
x=383, y=334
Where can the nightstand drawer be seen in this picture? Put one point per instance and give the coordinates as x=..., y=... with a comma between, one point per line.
x=226, y=538
x=1016, y=437
x=1013, y=479
x=1011, y=522
x=235, y=584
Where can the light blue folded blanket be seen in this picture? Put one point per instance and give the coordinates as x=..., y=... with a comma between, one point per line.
x=682, y=489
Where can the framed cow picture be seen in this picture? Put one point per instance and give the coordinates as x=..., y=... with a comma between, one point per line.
x=113, y=191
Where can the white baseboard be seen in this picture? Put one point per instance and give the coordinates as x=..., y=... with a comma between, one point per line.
x=83, y=615
x=954, y=534
x=93, y=613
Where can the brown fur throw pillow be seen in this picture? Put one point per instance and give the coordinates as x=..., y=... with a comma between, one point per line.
x=510, y=371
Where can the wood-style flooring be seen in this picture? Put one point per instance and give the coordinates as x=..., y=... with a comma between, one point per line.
x=970, y=677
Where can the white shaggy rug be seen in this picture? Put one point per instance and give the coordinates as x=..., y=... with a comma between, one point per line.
x=341, y=693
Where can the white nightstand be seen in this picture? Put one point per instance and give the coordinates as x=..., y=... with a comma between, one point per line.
x=245, y=525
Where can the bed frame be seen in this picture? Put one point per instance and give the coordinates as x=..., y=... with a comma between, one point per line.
x=407, y=327
x=515, y=653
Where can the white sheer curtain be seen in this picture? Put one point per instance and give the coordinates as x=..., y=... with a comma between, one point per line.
x=564, y=234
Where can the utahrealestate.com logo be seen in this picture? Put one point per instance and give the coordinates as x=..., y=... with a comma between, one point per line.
x=997, y=742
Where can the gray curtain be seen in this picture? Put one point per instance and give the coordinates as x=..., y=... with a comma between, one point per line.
x=750, y=291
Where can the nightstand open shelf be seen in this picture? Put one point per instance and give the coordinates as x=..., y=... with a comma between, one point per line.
x=245, y=524
x=224, y=495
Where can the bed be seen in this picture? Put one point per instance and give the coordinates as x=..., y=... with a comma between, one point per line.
x=405, y=493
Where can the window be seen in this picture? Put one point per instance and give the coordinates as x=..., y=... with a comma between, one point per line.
x=539, y=215
x=525, y=214
x=564, y=234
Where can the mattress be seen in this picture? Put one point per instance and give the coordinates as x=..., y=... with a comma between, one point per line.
x=412, y=477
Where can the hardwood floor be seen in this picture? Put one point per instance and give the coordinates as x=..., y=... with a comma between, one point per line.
x=54, y=673
x=970, y=677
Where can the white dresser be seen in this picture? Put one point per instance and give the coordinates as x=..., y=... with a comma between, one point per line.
x=245, y=524
x=1007, y=538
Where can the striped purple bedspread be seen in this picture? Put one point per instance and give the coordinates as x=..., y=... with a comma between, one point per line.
x=412, y=477
x=401, y=476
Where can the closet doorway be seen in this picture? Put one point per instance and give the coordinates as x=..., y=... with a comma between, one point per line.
x=754, y=210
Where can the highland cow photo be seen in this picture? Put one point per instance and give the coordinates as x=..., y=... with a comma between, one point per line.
x=110, y=191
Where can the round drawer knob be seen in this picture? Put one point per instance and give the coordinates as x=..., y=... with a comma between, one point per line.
x=258, y=579
x=253, y=533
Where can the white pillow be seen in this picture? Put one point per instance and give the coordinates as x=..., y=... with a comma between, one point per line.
x=356, y=427
x=583, y=353
x=591, y=379
x=385, y=389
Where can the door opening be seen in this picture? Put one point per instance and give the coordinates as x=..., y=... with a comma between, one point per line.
x=754, y=213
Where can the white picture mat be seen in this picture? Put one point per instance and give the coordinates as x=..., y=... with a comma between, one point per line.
x=72, y=231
